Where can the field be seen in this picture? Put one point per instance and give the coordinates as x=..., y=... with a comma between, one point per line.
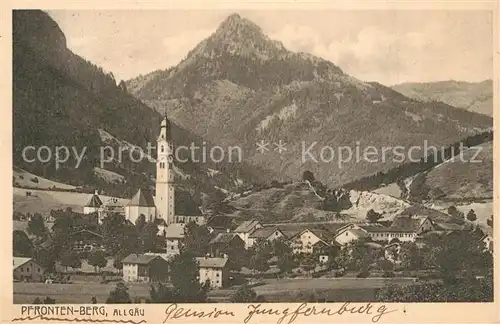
x=25, y=179
x=43, y=201
x=338, y=289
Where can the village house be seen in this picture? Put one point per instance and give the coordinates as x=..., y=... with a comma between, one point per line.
x=94, y=204
x=174, y=234
x=144, y=268
x=86, y=241
x=213, y=269
x=265, y=234
x=245, y=229
x=349, y=234
x=403, y=228
x=311, y=241
x=225, y=243
x=26, y=269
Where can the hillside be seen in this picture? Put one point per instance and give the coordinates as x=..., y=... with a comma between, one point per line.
x=467, y=176
x=247, y=88
x=476, y=97
x=60, y=99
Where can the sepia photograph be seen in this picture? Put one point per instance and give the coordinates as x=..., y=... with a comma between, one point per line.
x=252, y=156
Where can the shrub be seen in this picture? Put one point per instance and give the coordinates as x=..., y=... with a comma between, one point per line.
x=363, y=274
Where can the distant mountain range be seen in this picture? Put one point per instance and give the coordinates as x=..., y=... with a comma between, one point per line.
x=238, y=87
x=60, y=99
x=475, y=97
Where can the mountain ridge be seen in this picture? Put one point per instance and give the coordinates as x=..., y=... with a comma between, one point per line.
x=472, y=96
x=243, y=98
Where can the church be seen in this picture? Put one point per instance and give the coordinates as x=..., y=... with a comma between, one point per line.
x=161, y=207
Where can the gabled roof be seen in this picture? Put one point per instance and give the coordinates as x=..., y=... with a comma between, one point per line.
x=247, y=226
x=87, y=232
x=374, y=228
x=94, y=201
x=206, y=262
x=406, y=224
x=223, y=238
x=140, y=258
x=175, y=230
x=18, y=261
x=142, y=198
x=264, y=232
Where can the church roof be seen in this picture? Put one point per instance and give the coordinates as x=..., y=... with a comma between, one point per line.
x=142, y=198
x=94, y=201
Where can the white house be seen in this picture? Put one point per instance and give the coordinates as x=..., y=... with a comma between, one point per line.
x=213, y=269
x=174, y=234
x=245, y=229
x=348, y=235
x=310, y=240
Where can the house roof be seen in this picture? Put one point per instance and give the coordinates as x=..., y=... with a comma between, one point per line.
x=175, y=230
x=406, y=224
x=264, y=232
x=18, y=261
x=140, y=258
x=94, y=201
x=222, y=238
x=374, y=228
x=449, y=226
x=206, y=262
x=142, y=198
x=113, y=202
x=292, y=229
x=246, y=226
x=358, y=232
x=85, y=231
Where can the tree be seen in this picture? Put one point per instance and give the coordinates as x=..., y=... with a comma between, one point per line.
x=244, y=294
x=409, y=256
x=471, y=216
x=162, y=294
x=196, y=239
x=71, y=259
x=308, y=176
x=97, y=259
x=149, y=238
x=119, y=295
x=36, y=225
x=117, y=262
x=184, y=273
x=140, y=222
x=21, y=244
x=372, y=216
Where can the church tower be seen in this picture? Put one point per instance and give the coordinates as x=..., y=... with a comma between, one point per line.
x=165, y=191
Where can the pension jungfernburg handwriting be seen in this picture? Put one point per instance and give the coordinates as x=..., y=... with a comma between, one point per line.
x=305, y=310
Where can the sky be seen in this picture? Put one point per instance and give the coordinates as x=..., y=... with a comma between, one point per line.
x=390, y=47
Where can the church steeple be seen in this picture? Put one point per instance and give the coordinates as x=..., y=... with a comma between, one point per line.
x=165, y=192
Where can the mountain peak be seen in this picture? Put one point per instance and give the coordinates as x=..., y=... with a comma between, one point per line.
x=235, y=25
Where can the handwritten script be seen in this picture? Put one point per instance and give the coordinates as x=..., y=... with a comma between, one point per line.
x=289, y=315
x=284, y=315
x=175, y=312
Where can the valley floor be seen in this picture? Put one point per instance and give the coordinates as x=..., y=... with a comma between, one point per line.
x=283, y=290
